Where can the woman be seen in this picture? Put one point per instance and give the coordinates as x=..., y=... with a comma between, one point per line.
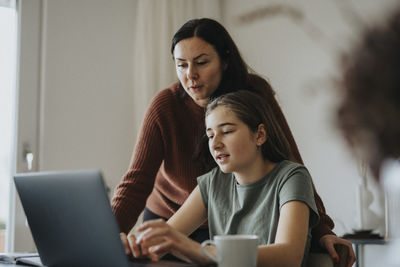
x=170, y=152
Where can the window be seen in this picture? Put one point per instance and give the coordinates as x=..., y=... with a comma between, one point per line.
x=8, y=47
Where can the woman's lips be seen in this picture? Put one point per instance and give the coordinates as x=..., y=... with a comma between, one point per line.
x=196, y=88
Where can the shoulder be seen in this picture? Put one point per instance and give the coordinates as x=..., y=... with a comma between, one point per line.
x=166, y=102
x=211, y=183
x=288, y=169
x=167, y=95
x=289, y=165
x=215, y=177
x=204, y=182
x=209, y=176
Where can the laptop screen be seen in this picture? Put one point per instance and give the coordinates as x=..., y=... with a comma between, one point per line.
x=70, y=218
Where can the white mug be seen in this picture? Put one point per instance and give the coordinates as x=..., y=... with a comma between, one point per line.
x=233, y=250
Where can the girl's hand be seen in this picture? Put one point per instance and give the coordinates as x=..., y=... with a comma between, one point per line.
x=328, y=242
x=130, y=245
x=157, y=238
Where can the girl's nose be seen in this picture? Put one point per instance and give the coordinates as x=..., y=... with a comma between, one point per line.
x=216, y=143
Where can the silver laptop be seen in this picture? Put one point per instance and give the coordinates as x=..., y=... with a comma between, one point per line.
x=71, y=220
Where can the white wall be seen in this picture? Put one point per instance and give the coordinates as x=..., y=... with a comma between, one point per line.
x=87, y=113
x=75, y=91
x=300, y=59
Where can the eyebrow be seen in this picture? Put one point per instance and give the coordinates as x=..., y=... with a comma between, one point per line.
x=222, y=125
x=199, y=56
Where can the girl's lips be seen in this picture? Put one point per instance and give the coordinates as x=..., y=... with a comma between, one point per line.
x=222, y=158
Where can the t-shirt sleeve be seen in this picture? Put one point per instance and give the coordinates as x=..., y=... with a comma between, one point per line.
x=297, y=185
x=204, y=183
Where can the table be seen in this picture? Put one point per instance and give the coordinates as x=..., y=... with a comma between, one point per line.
x=162, y=263
x=138, y=264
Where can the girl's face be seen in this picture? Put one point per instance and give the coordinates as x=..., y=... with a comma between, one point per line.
x=232, y=144
x=199, y=68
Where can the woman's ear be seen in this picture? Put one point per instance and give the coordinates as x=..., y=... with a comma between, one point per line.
x=261, y=135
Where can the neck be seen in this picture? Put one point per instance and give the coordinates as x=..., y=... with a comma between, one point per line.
x=255, y=173
x=202, y=103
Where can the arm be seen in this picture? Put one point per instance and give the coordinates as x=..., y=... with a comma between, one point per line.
x=322, y=234
x=291, y=237
x=191, y=215
x=158, y=237
x=131, y=194
x=325, y=224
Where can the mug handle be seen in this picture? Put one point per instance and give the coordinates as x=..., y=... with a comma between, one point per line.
x=204, y=244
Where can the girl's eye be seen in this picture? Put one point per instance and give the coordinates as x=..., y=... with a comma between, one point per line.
x=202, y=62
x=227, y=132
x=210, y=137
x=181, y=66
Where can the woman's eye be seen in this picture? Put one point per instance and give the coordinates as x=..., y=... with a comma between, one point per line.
x=227, y=132
x=210, y=137
x=202, y=62
x=181, y=66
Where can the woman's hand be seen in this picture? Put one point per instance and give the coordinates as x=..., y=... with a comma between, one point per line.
x=328, y=242
x=158, y=238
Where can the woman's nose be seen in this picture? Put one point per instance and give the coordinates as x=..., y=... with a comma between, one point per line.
x=192, y=73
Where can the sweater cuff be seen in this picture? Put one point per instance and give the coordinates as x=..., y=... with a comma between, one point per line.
x=318, y=232
x=123, y=219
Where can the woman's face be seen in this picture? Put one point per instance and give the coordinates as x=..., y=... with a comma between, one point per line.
x=199, y=68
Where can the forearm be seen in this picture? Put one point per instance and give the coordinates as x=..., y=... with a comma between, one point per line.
x=157, y=237
x=279, y=255
x=190, y=215
x=192, y=252
x=129, y=199
x=136, y=185
x=126, y=220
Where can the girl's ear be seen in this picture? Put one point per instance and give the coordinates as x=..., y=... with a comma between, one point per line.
x=261, y=135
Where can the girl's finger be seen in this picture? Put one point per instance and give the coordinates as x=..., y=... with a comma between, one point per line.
x=150, y=223
x=125, y=242
x=134, y=247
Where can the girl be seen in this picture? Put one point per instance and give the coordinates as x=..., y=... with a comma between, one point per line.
x=254, y=190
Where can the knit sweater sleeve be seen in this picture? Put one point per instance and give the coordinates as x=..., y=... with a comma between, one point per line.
x=136, y=185
x=325, y=224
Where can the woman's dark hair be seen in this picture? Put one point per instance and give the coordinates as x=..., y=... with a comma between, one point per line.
x=235, y=77
x=253, y=111
x=369, y=115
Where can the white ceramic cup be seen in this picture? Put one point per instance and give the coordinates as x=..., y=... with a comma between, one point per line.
x=233, y=250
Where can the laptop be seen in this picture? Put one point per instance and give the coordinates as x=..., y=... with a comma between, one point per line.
x=71, y=220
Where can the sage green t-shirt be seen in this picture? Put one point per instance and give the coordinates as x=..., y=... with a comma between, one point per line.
x=254, y=208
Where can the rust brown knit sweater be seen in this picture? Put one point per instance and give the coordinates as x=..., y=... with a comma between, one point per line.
x=163, y=171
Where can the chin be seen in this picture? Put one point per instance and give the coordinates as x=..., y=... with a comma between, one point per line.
x=225, y=169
